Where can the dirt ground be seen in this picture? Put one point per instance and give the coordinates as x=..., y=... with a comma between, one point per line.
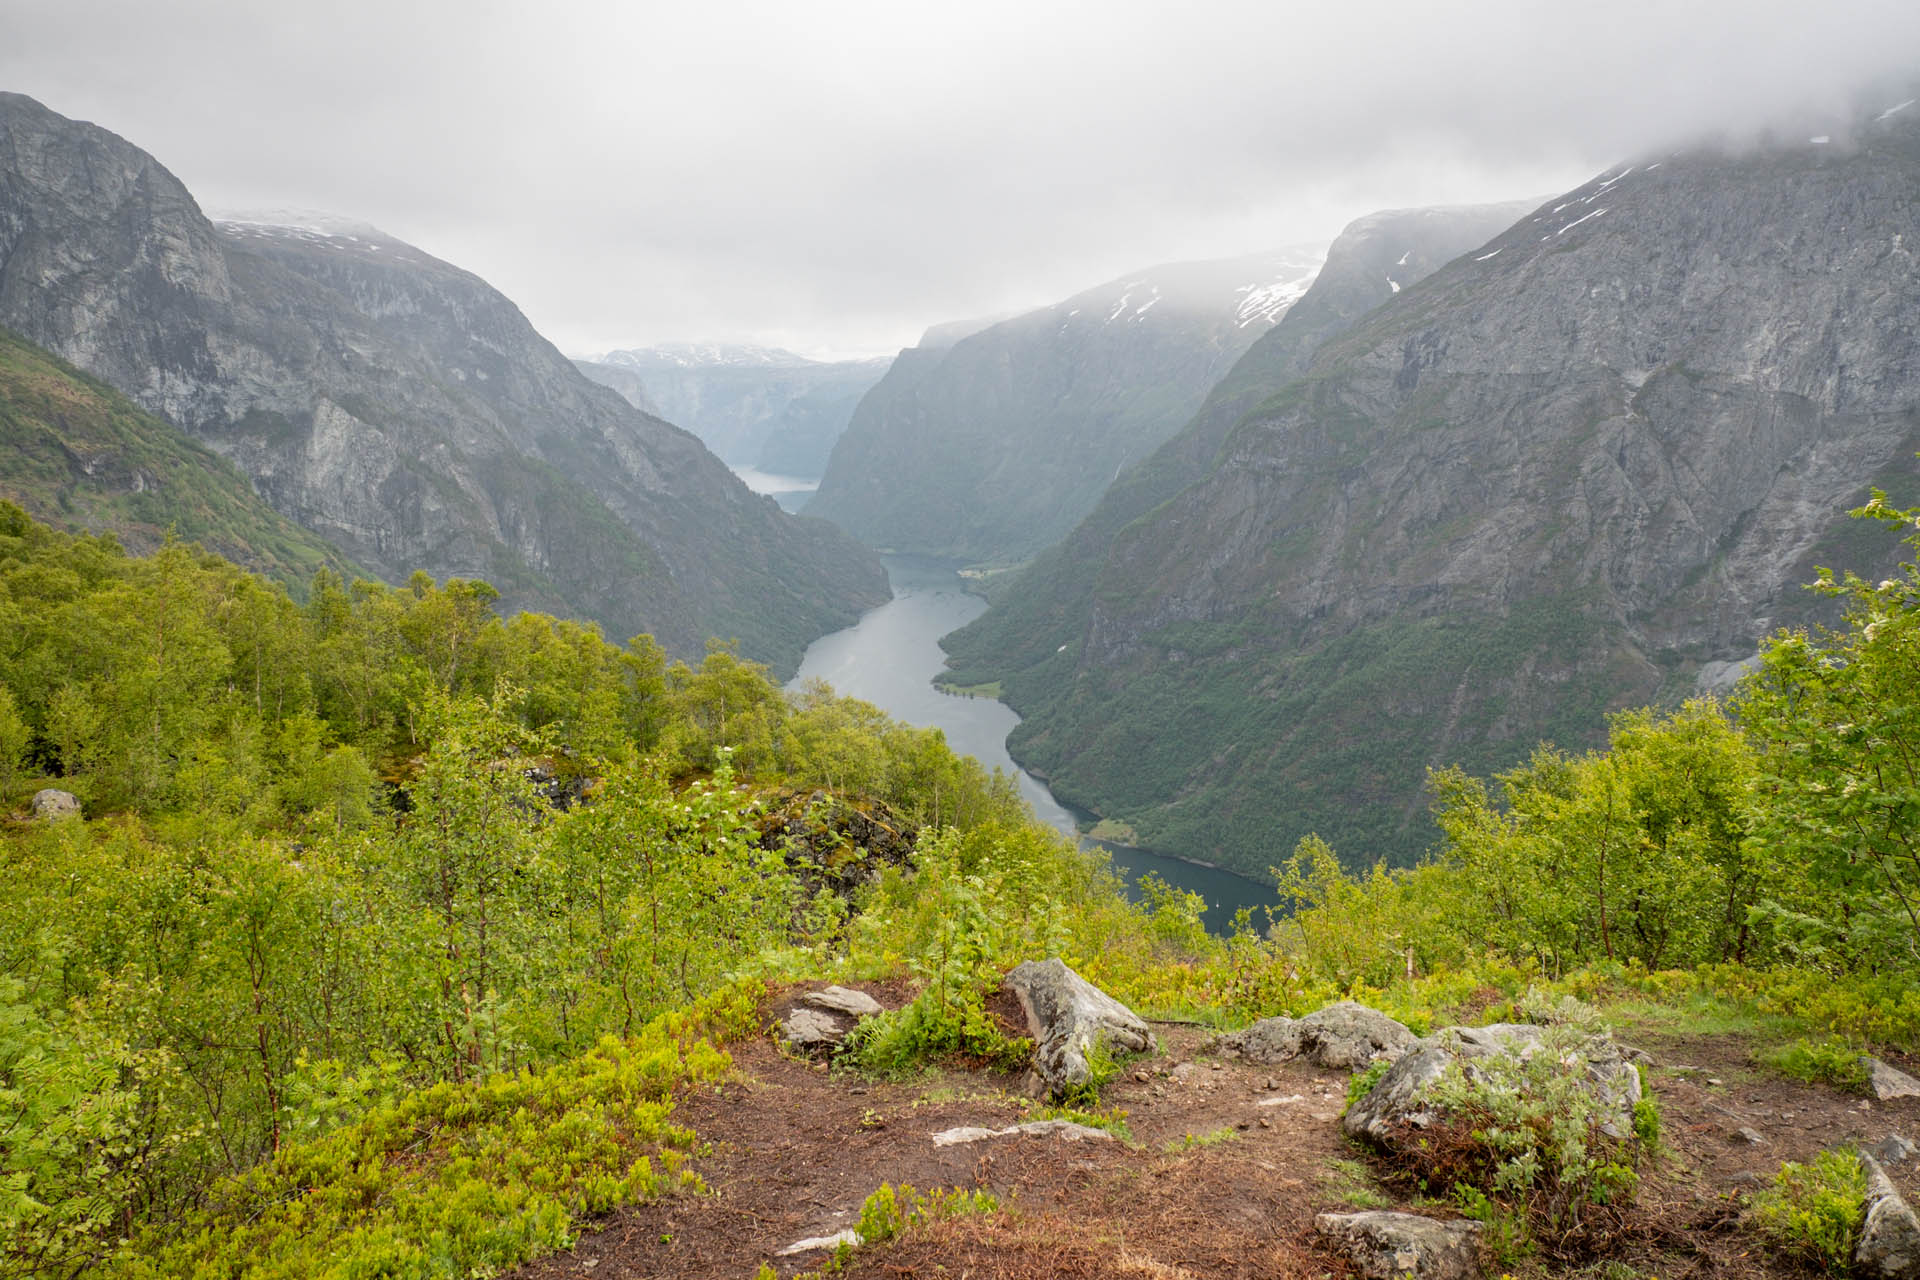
x=1226, y=1167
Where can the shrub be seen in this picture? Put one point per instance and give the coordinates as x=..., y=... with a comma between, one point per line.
x=1363, y=1081
x=1813, y=1210
x=1528, y=1135
x=1828, y=1061
x=892, y=1211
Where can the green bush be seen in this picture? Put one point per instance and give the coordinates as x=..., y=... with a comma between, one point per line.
x=892, y=1211
x=1528, y=1135
x=1814, y=1210
x=1828, y=1061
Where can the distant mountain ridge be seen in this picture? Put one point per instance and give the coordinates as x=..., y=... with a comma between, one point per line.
x=754, y=406
x=399, y=406
x=1583, y=466
x=989, y=446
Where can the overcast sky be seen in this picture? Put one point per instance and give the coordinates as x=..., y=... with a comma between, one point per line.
x=835, y=176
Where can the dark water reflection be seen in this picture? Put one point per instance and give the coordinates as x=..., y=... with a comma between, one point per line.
x=890, y=658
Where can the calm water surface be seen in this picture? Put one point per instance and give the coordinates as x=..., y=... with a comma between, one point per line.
x=890, y=658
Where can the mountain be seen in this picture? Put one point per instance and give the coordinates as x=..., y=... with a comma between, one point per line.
x=1586, y=465
x=77, y=454
x=754, y=406
x=990, y=446
x=1045, y=606
x=398, y=405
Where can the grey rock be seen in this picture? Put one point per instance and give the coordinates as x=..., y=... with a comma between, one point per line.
x=1400, y=1096
x=399, y=406
x=1341, y=1037
x=1065, y=1130
x=1893, y=1149
x=1889, y=1243
x=845, y=1000
x=811, y=1030
x=1752, y=1137
x=1888, y=1082
x=1399, y=1246
x=51, y=804
x=1066, y=1015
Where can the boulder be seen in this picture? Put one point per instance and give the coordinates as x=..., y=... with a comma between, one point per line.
x=1066, y=1016
x=1398, y=1098
x=821, y=1019
x=1888, y=1082
x=1341, y=1037
x=1394, y=1246
x=1888, y=1246
x=50, y=805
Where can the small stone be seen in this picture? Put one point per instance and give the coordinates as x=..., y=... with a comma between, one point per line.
x=1392, y=1246
x=1140, y=1077
x=1893, y=1149
x=1065, y=1130
x=1265, y=1123
x=857, y=1004
x=1716, y=1081
x=834, y=1241
x=1752, y=1137
x=1272, y=1084
x=1244, y=1124
x=1888, y=1082
x=1184, y=1071
x=1219, y=1066
x=1746, y=1178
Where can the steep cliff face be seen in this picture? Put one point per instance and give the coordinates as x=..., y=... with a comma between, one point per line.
x=398, y=405
x=1047, y=604
x=754, y=406
x=992, y=446
x=1570, y=471
x=78, y=455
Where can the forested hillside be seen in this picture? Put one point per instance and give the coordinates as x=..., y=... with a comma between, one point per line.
x=391, y=933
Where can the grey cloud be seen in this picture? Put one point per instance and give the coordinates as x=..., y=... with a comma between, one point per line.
x=840, y=175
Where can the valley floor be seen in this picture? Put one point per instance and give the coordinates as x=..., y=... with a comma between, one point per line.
x=1226, y=1167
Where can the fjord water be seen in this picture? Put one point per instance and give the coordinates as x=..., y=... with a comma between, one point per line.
x=891, y=657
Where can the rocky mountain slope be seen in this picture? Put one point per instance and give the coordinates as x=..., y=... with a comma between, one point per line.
x=1043, y=608
x=754, y=406
x=79, y=455
x=992, y=446
x=398, y=405
x=1577, y=468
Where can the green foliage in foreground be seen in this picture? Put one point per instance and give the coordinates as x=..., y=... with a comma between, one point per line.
x=892, y=1211
x=463, y=1180
x=1829, y=1060
x=1814, y=1210
x=1525, y=1136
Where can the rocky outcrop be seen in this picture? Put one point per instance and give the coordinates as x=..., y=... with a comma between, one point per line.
x=1341, y=1037
x=992, y=446
x=1399, y=1101
x=1888, y=1246
x=1568, y=471
x=399, y=406
x=832, y=841
x=1405, y=1246
x=51, y=804
x=1067, y=1016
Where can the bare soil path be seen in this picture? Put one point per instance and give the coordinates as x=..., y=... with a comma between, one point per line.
x=1226, y=1167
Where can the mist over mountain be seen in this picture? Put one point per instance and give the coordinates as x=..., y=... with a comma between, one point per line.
x=398, y=405
x=990, y=445
x=1585, y=465
x=753, y=406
